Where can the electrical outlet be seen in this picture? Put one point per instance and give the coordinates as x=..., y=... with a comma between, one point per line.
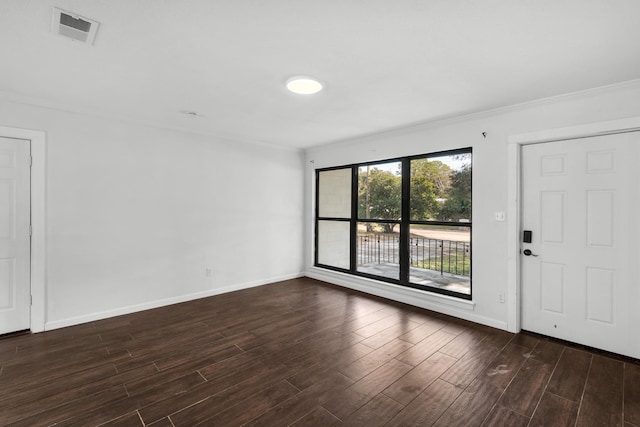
x=500, y=297
x=499, y=216
x=207, y=272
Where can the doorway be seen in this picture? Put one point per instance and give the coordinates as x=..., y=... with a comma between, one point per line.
x=579, y=207
x=38, y=228
x=15, y=235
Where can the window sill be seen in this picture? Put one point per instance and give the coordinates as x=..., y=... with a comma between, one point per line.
x=407, y=295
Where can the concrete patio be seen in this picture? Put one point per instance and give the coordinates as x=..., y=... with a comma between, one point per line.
x=420, y=276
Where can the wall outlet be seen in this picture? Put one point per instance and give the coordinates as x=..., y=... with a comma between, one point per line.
x=207, y=272
x=499, y=216
x=501, y=297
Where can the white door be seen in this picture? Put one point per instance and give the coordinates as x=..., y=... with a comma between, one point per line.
x=581, y=271
x=15, y=242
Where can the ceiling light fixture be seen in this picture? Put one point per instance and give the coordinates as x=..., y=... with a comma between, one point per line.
x=304, y=85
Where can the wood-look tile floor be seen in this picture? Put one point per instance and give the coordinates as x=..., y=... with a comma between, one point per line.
x=305, y=353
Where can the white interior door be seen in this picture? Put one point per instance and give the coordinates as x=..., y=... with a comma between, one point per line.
x=15, y=219
x=580, y=280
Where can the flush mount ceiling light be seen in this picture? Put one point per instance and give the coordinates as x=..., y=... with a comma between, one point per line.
x=304, y=85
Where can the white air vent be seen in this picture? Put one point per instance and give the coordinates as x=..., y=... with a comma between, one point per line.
x=73, y=26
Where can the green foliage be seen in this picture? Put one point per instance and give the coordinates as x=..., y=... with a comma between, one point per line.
x=458, y=203
x=436, y=192
x=430, y=180
x=379, y=194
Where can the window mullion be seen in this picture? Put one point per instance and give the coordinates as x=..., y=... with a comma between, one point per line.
x=316, y=222
x=404, y=221
x=354, y=220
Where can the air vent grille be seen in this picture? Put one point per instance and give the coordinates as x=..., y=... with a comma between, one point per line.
x=73, y=26
x=77, y=23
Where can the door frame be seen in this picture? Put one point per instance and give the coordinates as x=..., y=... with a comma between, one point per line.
x=38, y=230
x=514, y=190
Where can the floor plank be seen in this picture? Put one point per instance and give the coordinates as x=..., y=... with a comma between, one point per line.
x=410, y=385
x=304, y=402
x=71, y=409
x=377, y=412
x=425, y=348
x=428, y=406
x=524, y=392
x=465, y=370
x=461, y=344
x=570, y=375
x=129, y=420
x=505, y=366
x=248, y=408
x=501, y=416
x=318, y=418
x=362, y=391
x=554, y=410
x=372, y=361
x=598, y=407
x=632, y=393
x=472, y=406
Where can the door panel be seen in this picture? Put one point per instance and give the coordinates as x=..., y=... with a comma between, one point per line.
x=600, y=220
x=552, y=289
x=600, y=294
x=552, y=214
x=580, y=282
x=15, y=251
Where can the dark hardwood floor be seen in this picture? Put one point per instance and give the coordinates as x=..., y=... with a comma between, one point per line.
x=305, y=353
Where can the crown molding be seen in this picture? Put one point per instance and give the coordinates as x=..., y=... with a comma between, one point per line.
x=101, y=114
x=471, y=115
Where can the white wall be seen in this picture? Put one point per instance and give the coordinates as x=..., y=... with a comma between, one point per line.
x=490, y=186
x=136, y=215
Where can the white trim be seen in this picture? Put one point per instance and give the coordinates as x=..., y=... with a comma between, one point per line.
x=513, y=241
x=581, y=131
x=514, y=148
x=38, y=224
x=101, y=114
x=457, y=117
x=462, y=117
x=71, y=321
x=444, y=304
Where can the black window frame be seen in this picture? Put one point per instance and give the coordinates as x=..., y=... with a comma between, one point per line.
x=405, y=222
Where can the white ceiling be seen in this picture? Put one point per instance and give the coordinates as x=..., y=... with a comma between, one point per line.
x=385, y=63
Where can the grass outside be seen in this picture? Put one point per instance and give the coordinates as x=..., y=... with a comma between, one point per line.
x=451, y=266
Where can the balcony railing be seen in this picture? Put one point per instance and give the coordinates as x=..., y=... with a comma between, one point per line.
x=444, y=256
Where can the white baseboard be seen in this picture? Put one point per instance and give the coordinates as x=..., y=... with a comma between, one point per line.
x=71, y=321
x=444, y=304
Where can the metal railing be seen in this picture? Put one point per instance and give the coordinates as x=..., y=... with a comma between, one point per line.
x=445, y=256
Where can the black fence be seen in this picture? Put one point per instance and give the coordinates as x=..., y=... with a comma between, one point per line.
x=445, y=256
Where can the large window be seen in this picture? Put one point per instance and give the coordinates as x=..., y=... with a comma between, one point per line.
x=406, y=221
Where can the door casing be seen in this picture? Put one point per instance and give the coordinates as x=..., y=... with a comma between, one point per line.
x=515, y=143
x=38, y=254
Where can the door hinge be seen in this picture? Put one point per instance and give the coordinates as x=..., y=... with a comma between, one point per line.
x=30, y=230
x=30, y=161
x=30, y=299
